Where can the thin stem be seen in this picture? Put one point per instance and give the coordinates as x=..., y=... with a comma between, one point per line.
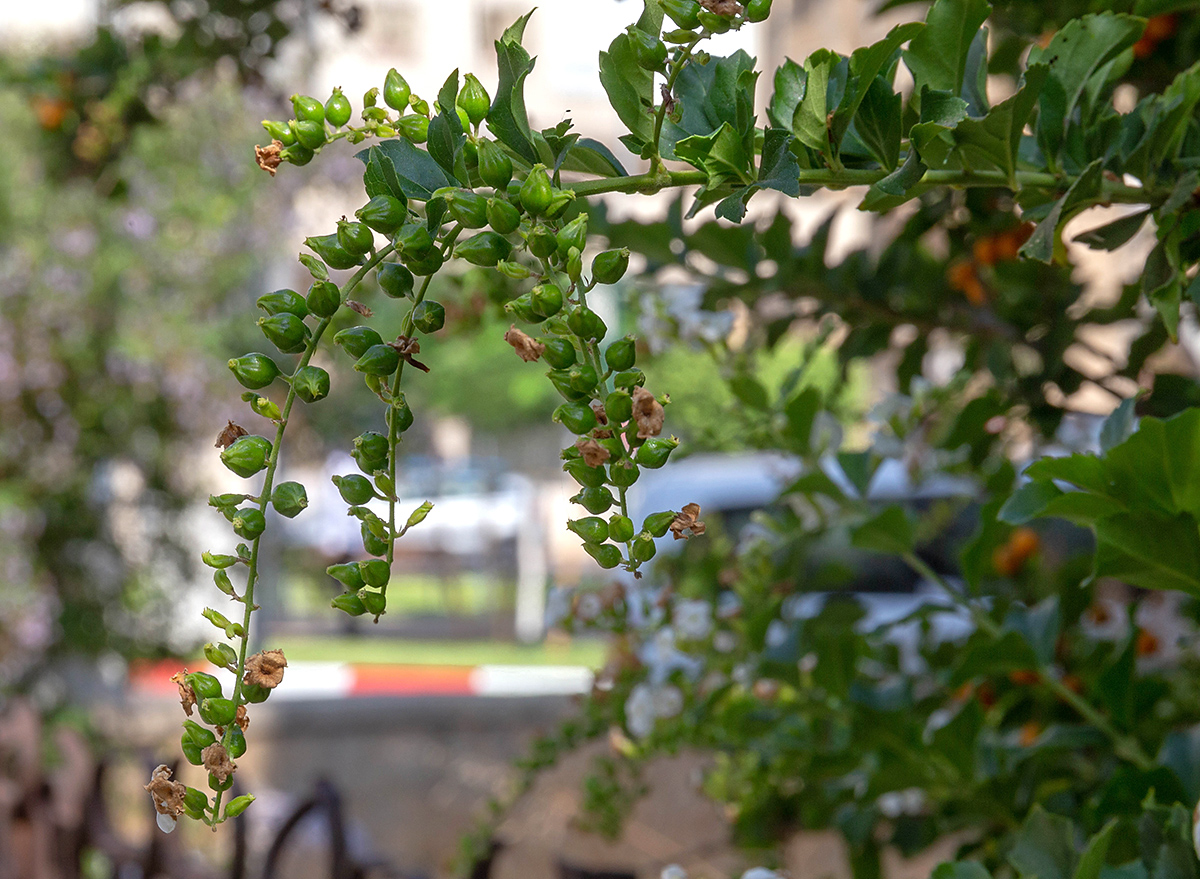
x=1125, y=746
x=676, y=68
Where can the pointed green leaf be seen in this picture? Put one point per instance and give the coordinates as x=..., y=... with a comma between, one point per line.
x=419, y=176
x=937, y=56
x=630, y=88
x=889, y=532
x=810, y=120
x=507, y=118
x=1045, y=243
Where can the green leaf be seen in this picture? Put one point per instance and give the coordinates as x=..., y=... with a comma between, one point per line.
x=507, y=119
x=1092, y=861
x=1149, y=550
x=937, y=56
x=865, y=66
x=1045, y=847
x=630, y=89
x=1045, y=243
x=790, y=81
x=858, y=467
x=418, y=175
x=960, y=870
x=956, y=743
x=933, y=136
x=778, y=168
x=1112, y=235
x=985, y=656
x=1080, y=50
x=750, y=391
x=1038, y=625
x=897, y=187
x=445, y=129
x=800, y=412
x=592, y=157
x=878, y=123
x=810, y=120
x=721, y=155
x=889, y=532
x=1119, y=425
x=1029, y=502
x=995, y=139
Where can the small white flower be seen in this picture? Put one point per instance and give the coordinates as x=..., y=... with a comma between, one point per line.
x=909, y=801
x=693, y=619
x=668, y=701
x=639, y=711
x=777, y=633
x=673, y=871
x=166, y=823
x=1107, y=619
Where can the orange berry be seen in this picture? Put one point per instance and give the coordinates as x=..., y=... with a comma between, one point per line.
x=1024, y=677
x=1029, y=733
x=1024, y=542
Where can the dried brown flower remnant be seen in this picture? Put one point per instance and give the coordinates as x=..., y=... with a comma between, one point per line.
x=187, y=696
x=268, y=157
x=216, y=760
x=356, y=306
x=648, y=413
x=167, y=794
x=687, y=524
x=593, y=453
x=527, y=349
x=229, y=435
x=406, y=348
x=265, y=669
x=722, y=7
x=601, y=419
x=242, y=719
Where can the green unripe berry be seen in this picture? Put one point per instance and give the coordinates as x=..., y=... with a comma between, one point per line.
x=560, y=200
x=574, y=265
x=657, y=524
x=622, y=473
x=485, y=248
x=383, y=213
x=289, y=499
x=205, y=686
x=427, y=264
x=522, y=309
x=473, y=99
x=758, y=10
x=220, y=655
x=247, y=455
x=249, y=523
x=606, y=555
x=559, y=353
x=374, y=602
x=218, y=712
x=279, y=131
x=331, y=251
x=429, y=316
x=337, y=109
x=621, y=354
x=400, y=414
x=311, y=383
x=308, y=109
x=541, y=242
x=587, y=477
x=283, y=302
x=466, y=207
x=574, y=234
x=396, y=91
x=297, y=154
x=395, y=280
x=355, y=489
x=355, y=238
x=685, y=13
x=254, y=370
x=414, y=240
x=237, y=805
x=356, y=340
x=255, y=693
x=470, y=153
x=324, y=299
x=577, y=416
x=348, y=575
x=348, y=603
x=718, y=24
x=643, y=548
x=620, y=528
x=653, y=453
x=495, y=167
x=372, y=446
x=234, y=741
x=582, y=377
x=310, y=135
x=414, y=128
x=591, y=528
x=609, y=267
x=546, y=300
x=503, y=216
x=594, y=500
x=629, y=378
x=618, y=406
x=561, y=380
x=371, y=544
x=285, y=331
x=379, y=360
x=586, y=324
x=537, y=191
x=375, y=572
x=649, y=51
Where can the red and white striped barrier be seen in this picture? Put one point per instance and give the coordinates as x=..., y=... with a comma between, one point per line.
x=340, y=680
